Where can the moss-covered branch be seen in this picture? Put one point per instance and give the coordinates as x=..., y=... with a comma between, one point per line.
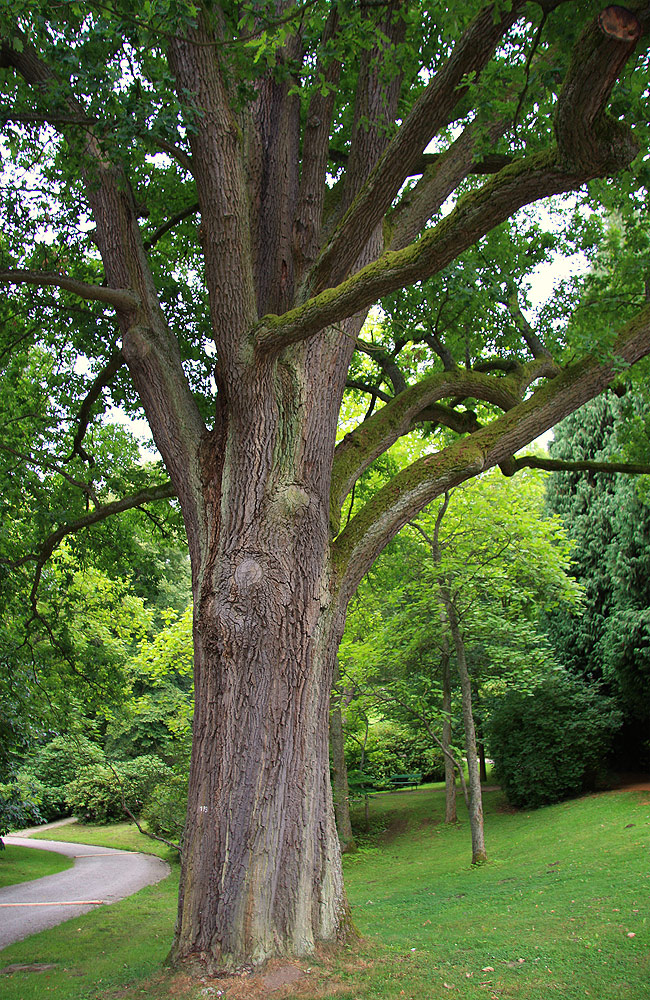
x=513, y=465
x=359, y=449
x=413, y=488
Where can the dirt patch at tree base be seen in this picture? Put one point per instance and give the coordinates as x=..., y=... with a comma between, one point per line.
x=278, y=979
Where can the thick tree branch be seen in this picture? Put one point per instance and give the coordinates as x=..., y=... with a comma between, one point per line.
x=120, y=298
x=460, y=421
x=311, y=197
x=359, y=449
x=439, y=180
x=433, y=111
x=221, y=185
x=412, y=489
x=386, y=362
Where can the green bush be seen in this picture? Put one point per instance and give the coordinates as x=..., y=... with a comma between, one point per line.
x=393, y=748
x=550, y=743
x=164, y=812
x=53, y=766
x=96, y=794
x=18, y=807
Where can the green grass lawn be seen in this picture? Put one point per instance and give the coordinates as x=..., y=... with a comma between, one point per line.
x=21, y=864
x=562, y=908
x=124, y=836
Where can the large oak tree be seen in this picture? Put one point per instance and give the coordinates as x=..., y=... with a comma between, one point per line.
x=290, y=131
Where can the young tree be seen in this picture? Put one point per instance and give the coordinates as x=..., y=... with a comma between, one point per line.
x=291, y=131
x=471, y=580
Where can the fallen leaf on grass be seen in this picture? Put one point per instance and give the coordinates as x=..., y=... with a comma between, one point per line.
x=488, y=968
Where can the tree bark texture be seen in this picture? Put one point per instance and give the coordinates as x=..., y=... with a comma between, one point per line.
x=261, y=870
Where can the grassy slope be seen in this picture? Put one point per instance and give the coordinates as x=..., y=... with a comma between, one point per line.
x=550, y=913
x=124, y=836
x=21, y=864
x=563, y=890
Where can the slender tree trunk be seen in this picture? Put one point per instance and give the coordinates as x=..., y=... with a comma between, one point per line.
x=480, y=742
x=479, y=853
x=450, y=773
x=340, y=786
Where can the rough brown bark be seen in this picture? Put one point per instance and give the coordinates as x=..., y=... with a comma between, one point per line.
x=261, y=870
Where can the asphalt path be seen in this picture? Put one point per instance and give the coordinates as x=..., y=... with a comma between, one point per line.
x=100, y=875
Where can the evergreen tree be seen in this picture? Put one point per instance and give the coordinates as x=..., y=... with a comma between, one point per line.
x=609, y=523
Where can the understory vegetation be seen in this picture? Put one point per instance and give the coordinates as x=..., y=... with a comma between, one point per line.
x=558, y=910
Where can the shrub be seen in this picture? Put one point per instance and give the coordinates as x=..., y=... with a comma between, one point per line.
x=18, y=808
x=164, y=812
x=54, y=766
x=96, y=794
x=550, y=743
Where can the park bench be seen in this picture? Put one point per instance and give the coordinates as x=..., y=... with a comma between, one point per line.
x=406, y=780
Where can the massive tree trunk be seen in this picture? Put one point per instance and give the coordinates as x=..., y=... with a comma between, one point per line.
x=261, y=841
x=261, y=864
x=291, y=266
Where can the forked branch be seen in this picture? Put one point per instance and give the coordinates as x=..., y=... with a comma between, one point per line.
x=413, y=488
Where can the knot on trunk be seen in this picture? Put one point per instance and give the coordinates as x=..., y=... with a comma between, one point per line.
x=248, y=575
x=290, y=501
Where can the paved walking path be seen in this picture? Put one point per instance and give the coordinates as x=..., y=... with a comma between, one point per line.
x=99, y=875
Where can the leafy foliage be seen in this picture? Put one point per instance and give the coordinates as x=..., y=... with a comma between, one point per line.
x=551, y=742
x=503, y=563
x=55, y=765
x=97, y=793
x=165, y=811
x=608, y=520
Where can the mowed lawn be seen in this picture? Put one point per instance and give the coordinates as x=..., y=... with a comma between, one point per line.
x=561, y=909
x=21, y=864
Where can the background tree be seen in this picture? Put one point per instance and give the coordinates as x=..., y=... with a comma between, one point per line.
x=291, y=131
x=470, y=579
x=608, y=519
